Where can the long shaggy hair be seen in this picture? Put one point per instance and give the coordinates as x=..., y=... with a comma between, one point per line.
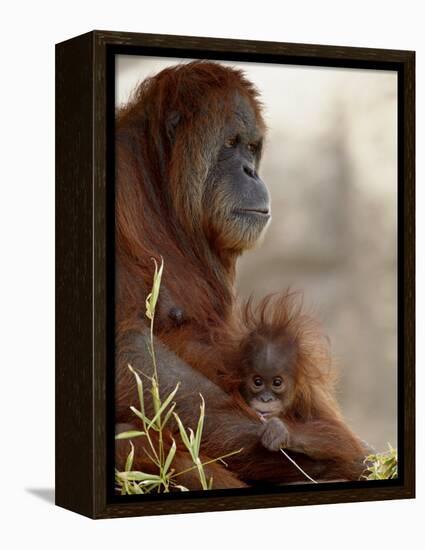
x=283, y=319
x=168, y=137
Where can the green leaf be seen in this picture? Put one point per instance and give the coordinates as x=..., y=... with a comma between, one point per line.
x=182, y=431
x=137, y=490
x=152, y=298
x=155, y=396
x=170, y=457
x=138, y=476
x=150, y=482
x=129, y=435
x=129, y=461
x=191, y=439
x=381, y=465
x=163, y=406
x=139, y=384
x=142, y=417
x=200, y=427
x=149, y=313
x=168, y=414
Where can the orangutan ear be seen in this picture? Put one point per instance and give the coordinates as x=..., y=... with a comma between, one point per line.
x=172, y=122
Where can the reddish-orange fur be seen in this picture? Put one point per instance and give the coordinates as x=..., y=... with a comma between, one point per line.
x=314, y=418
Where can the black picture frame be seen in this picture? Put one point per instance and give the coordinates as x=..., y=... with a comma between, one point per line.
x=85, y=110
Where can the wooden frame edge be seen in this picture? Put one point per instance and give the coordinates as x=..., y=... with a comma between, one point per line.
x=82, y=418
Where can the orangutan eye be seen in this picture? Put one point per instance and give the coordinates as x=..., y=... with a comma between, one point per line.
x=252, y=148
x=277, y=382
x=258, y=381
x=231, y=143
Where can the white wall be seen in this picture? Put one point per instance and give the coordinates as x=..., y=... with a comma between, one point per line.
x=29, y=30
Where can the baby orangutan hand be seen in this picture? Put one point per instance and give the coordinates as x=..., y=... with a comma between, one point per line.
x=274, y=434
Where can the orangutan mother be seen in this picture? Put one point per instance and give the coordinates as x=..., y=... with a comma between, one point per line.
x=188, y=147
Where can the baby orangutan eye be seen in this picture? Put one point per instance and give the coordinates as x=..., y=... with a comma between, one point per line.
x=277, y=382
x=258, y=381
x=231, y=142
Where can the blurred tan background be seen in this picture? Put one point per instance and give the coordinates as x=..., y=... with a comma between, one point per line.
x=330, y=163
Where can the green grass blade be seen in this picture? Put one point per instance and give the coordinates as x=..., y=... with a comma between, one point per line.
x=143, y=418
x=138, y=476
x=139, y=385
x=152, y=298
x=200, y=427
x=163, y=406
x=156, y=399
x=129, y=435
x=130, y=457
x=170, y=457
x=182, y=431
x=168, y=415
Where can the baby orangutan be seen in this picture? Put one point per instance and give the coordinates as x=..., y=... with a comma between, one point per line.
x=268, y=384
x=285, y=376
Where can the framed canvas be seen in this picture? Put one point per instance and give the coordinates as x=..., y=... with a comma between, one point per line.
x=235, y=274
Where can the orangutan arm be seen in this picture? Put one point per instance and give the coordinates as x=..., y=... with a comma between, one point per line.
x=226, y=428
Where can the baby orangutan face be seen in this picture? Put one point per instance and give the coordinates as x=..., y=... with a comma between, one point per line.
x=267, y=378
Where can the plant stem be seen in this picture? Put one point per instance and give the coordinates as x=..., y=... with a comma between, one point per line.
x=207, y=462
